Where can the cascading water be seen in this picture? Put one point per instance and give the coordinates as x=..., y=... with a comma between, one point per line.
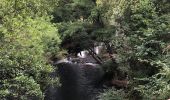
x=85, y=53
x=80, y=81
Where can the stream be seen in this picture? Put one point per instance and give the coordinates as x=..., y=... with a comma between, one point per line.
x=81, y=79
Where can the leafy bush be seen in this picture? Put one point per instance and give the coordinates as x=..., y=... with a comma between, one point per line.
x=21, y=88
x=113, y=94
x=28, y=40
x=157, y=87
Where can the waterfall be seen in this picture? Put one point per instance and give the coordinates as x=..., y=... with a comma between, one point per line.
x=83, y=54
x=66, y=60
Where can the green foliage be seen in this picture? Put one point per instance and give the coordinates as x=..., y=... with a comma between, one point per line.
x=104, y=34
x=147, y=32
x=72, y=10
x=157, y=86
x=113, y=94
x=82, y=26
x=145, y=28
x=29, y=40
x=30, y=8
x=162, y=6
x=72, y=18
x=112, y=10
x=75, y=37
x=21, y=88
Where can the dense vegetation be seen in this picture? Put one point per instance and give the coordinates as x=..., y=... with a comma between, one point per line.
x=28, y=40
x=135, y=35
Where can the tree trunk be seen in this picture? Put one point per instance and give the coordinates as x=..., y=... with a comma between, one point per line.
x=99, y=61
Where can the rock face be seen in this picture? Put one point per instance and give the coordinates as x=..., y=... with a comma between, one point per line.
x=79, y=82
